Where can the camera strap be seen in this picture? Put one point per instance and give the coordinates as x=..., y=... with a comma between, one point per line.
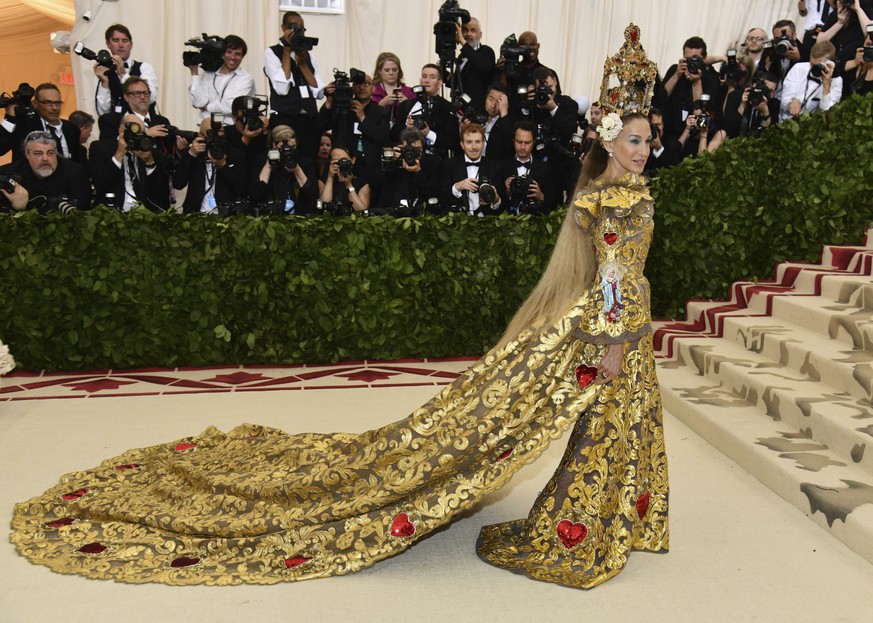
x=807, y=94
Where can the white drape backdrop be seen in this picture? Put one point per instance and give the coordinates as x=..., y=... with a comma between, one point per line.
x=575, y=35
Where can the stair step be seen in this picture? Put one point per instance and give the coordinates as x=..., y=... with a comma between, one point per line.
x=836, y=495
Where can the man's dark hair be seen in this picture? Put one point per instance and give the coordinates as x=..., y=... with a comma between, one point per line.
x=133, y=81
x=525, y=125
x=45, y=86
x=695, y=43
x=233, y=42
x=769, y=76
x=81, y=119
x=411, y=135
x=541, y=73
x=655, y=111
x=238, y=104
x=118, y=28
x=434, y=66
x=290, y=14
x=785, y=23
x=499, y=87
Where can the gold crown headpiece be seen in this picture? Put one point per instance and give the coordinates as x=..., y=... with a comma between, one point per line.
x=628, y=77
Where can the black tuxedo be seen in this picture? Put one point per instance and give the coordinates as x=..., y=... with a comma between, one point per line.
x=283, y=187
x=455, y=170
x=14, y=141
x=540, y=171
x=671, y=155
x=523, y=79
x=476, y=73
x=230, y=182
x=69, y=181
x=150, y=189
x=500, y=145
x=415, y=188
x=109, y=123
x=440, y=117
x=682, y=98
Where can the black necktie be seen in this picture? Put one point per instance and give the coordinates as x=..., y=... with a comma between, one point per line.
x=147, y=122
x=519, y=163
x=57, y=136
x=472, y=164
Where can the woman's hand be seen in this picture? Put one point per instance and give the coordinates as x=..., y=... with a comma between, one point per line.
x=610, y=365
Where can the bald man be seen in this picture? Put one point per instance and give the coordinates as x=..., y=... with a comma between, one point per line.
x=476, y=63
x=523, y=82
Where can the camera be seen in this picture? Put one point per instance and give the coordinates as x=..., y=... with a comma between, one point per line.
x=519, y=187
x=21, y=97
x=344, y=167
x=580, y=145
x=343, y=93
x=136, y=138
x=285, y=156
x=782, y=44
x=216, y=145
x=695, y=65
x=487, y=192
x=209, y=55
x=250, y=114
x=759, y=92
x=102, y=58
x=451, y=12
x=464, y=109
x=817, y=71
x=704, y=119
x=188, y=135
x=333, y=208
x=731, y=72
x=60, y=204
x=410, y=154
x=514, y=54
x=450, y=15
x=7, y=183
x=542, y=93
x=868, y=49
x=299, y=42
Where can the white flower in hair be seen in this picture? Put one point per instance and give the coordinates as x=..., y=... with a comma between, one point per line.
x=610, y=127
x=7, y=363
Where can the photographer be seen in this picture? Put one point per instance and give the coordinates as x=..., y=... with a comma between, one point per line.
x=518, y=76
x=470, y=184
x=476, y=62
x=812, y=86
x=685, y=83
x=702, y=133
x=346, y=188
x=555, y=119
x=287, y=182
x=42, y=181
x=859, y=71
x=45, y=115
x=136, y=101
x=109, y=94
x=215, y=91
x=750, y=110
x=412, y=177
x=528, y=183
x=85, y=122
x=430, y=113
x=213, y=170
x=499, y=125
x=127, y=169
x=295, y=83
x=784, y=51
x=845, y=29
x=666, y=150
x=248, y=132
x=360, y=123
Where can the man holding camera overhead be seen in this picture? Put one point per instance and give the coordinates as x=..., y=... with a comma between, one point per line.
x=127, y=169
x=214, y=91
x=109, y=95
x=685, y=83
x=430, y=113
x=295, y=83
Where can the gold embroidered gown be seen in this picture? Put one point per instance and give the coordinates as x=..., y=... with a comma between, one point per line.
x=257, y=505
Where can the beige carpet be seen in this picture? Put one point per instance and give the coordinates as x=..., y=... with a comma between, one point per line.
x=739, y=552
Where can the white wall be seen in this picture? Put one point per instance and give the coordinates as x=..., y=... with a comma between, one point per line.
x=576, y=36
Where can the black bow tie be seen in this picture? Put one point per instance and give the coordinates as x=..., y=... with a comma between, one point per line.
x=473, y=164
x=519, y=163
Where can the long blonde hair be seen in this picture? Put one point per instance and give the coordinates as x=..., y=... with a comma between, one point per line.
x=570, y=271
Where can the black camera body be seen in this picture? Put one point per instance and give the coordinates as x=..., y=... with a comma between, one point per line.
x=704, y=119
x=136, y=138
x=299, y=42
x=22, y=97
x=344, y=167
x=209, y=54
x=216, y=144
x=519, y=186
x=817, y=71
x=343, y=93
x=487, y=191
x=410, y=154
x=782, y=44
x=284, y=156
x=514, y=55
x=333, y=208
x=542, y=93
x=451, y=12
x=465, y=110
x=731, y=72
x=102, y=58
x=6, y=183
x=759, y=92
x=695, y=65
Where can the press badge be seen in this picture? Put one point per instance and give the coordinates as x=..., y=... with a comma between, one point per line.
x=289, y=206
x=304, y=91
x=210, y=201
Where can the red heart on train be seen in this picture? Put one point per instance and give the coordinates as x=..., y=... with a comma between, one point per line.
x=402, y=527
x=610, y=238
x=184, y=561
x=60, y=523
x=75, y=495
x=585, y=375
x=184, y=447
x=296, y=561
x=93, y=548
x=643, y=504
x=571, y=534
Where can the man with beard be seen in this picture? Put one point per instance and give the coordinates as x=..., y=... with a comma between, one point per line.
x=42, y=181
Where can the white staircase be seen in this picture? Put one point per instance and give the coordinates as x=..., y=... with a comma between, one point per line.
x=780, y=378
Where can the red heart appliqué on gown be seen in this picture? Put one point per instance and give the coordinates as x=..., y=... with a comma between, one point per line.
x=75, y=495
x=643, y=504
x=93, y=548
x=60, y=523
x=610, y=237
x=585, y=375
x=184, y=447
x=571, y=534
x=402, y=527
x=296, y=561
x=184, y=561
x=505, y=455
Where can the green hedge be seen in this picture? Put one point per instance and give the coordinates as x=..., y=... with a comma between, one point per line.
x=100, y=289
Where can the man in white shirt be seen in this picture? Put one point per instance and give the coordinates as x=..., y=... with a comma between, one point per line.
x=214, y=91
x=109, y=97
x=811, y=86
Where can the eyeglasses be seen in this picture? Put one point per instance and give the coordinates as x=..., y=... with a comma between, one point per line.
x=758, y=39
x=37, y=135
x=139, y=93
x=51, y=103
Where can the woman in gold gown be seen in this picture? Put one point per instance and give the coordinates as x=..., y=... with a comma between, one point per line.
x=257, y=505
